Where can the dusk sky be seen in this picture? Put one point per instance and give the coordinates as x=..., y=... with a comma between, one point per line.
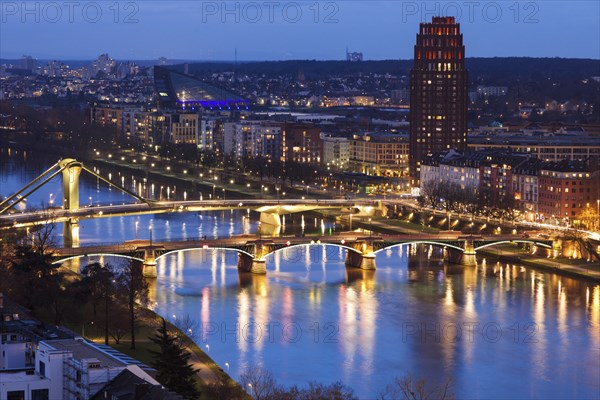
x=280, y=30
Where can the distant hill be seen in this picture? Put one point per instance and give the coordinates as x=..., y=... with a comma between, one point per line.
x=497, y=68
x=491, y=69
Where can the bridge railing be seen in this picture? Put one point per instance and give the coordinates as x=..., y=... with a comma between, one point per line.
x=131, y=245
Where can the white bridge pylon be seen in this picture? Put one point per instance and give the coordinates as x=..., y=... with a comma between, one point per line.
x=70, y=169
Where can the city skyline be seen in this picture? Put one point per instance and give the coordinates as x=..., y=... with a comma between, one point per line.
x=290, y=30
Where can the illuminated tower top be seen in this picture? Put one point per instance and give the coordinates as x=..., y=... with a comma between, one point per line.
x=440, y=46
x=438, y=92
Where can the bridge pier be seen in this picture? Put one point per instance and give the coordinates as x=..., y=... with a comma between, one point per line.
x=254, y=265
x=469, y=256
x=149, y=264
x=557, y=248
x=270, y=224
x=363, y=258
x=149, y=269
x=362, y=261
x=270, y=218
x=454, y=256
x=71, y=233
x=469, y=247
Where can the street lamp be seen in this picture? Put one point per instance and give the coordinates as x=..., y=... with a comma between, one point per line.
x=136, y=229
x=150, y=234
x=277, y=190
x=214, y=186
x=370, y=228
x=598, y=205
x=223, y=193
x=90, y=201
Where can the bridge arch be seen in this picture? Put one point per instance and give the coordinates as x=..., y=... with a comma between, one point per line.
x=62, y=260
x=514, y=241
x=313, y=244
x=420, y=242
x=203, y=248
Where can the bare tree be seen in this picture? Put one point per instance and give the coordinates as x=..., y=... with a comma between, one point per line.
x=189, y=327
x=117, y=329
x=223, y=389
x=407, y=388
x=451, y=195
x=588, y=218
x=319, y=391
x=432, y=193
x=577, y=238
x=260, y=384
x=507, y=207
x=469, y=199
x=42, y=233
x=131, y=282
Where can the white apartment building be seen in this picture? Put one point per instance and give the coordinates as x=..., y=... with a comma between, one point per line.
x=336, y=152
x=253, y=139
x=380, y=154
x=185, y=128
x=207, y=128
x=525, y=187
x=441, y=168
x=65, y=369
x=466, y=177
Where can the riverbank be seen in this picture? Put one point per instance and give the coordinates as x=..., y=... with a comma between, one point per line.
x=580, y=269
x=208, y=371
x=588, y=271
x=563, y=266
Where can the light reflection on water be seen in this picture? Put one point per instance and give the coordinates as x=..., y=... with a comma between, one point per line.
x=500, y=331
x=310, y=318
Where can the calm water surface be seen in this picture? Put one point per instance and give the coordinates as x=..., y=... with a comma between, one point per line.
x=497, y=330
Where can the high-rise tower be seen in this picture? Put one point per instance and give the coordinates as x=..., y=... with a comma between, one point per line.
x=438, y=92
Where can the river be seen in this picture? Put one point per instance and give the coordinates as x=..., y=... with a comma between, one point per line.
x=496, y=330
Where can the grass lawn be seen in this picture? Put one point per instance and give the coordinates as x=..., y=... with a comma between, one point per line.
x=407, y=225
x=146, y=325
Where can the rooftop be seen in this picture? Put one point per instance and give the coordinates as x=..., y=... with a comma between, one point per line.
x=22, y=377
x=177, y=89
x=134, y=384
x=84, y=350
x=536, y=140
x=567, y=166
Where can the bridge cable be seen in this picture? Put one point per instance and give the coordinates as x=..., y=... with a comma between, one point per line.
x=31, y=191
x=27, y=186
x=114, y=184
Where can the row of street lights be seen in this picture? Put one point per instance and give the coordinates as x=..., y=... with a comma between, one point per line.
x=264, y=188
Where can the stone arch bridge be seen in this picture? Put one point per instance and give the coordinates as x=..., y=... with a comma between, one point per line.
x=252, y=249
